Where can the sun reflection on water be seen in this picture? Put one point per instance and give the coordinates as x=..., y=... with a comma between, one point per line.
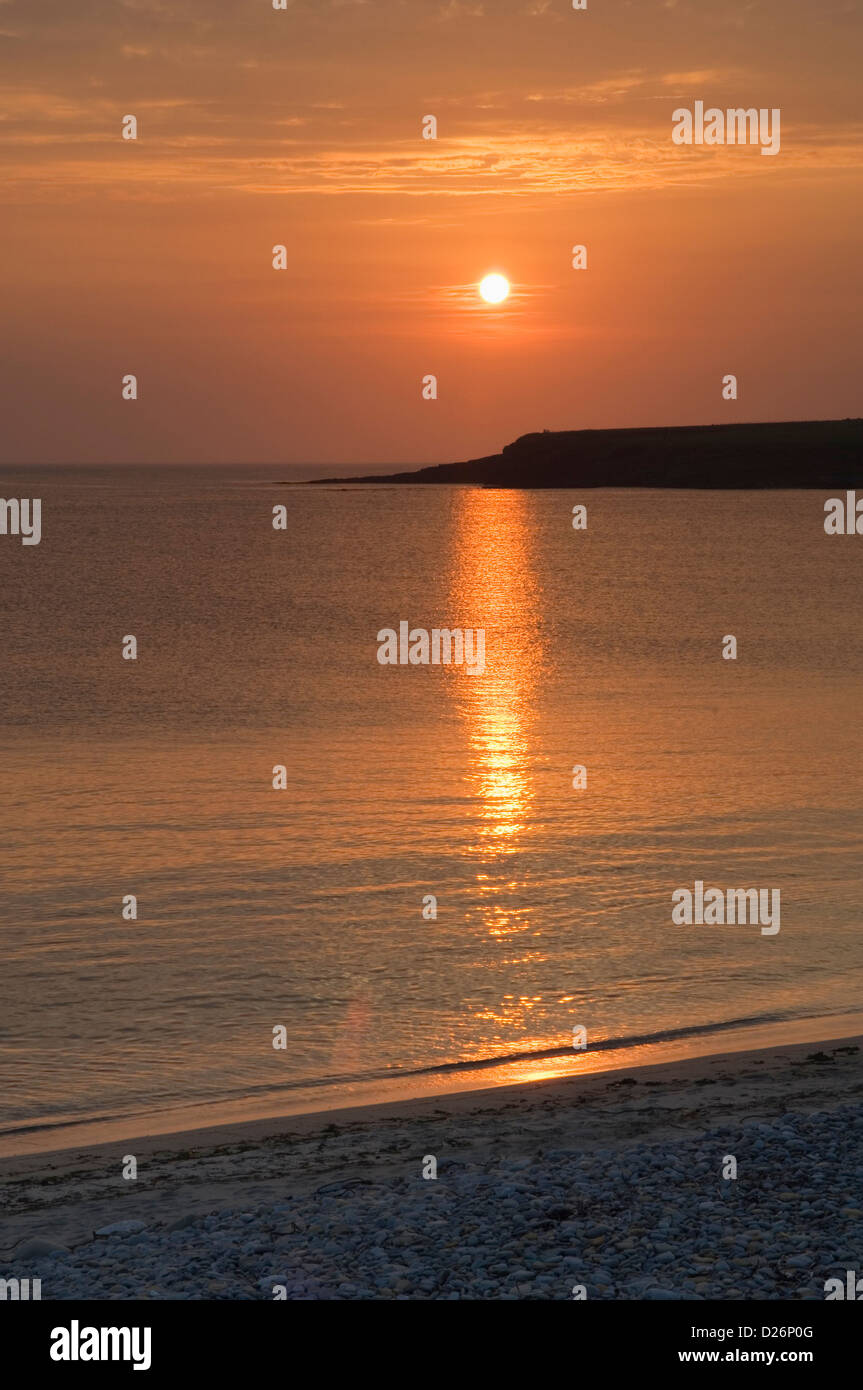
x=495, y=584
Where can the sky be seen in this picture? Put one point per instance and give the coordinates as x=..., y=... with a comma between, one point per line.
x=302, y=127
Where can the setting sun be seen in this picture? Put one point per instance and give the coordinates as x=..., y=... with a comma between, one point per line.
x=494, y=289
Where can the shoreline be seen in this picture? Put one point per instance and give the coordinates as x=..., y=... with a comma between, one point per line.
x=232, y=1119
x=69, y=1194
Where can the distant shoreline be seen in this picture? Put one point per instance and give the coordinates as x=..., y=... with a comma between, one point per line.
x=795, y=454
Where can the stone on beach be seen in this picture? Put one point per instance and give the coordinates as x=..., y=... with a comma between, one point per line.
x=639, y=1221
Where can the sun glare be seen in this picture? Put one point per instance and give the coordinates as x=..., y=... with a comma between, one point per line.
x=494, y=289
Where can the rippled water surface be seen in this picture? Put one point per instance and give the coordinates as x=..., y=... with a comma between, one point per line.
x=303, y=907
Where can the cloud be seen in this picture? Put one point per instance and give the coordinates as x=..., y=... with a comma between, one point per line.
x=461, y=9
x=697, y=77
x=504, y=165
x=270, y=104
x=608, y=89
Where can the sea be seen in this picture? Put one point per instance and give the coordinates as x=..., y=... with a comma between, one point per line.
x=461, y=879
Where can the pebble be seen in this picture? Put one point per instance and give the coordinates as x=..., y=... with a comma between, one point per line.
x=36, y=1248
x=644, y=1222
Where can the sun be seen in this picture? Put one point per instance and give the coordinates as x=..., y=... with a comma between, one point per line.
x=494, y=289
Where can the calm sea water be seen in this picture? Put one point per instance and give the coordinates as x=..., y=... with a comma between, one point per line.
x=304, y=907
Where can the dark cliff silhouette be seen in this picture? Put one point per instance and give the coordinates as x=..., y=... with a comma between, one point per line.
x=796, y=454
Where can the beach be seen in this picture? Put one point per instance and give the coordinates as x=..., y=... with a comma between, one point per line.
x=602, y=1186
x=386, y=962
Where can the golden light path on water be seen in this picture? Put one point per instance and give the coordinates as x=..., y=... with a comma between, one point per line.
x=494, y=586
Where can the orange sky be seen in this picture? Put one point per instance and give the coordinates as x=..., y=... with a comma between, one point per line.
x=303, y=127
